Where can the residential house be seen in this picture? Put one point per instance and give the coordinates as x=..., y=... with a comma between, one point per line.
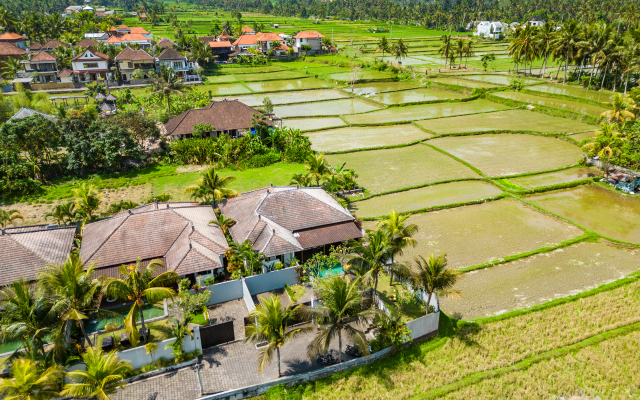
x=25, y=112
x=308, y=38
x=14, y=39
x=72, y=10
x=230, y=117
x=179, y=63
x=42, y=67
x=129, y=60
x=65, y=76
x=101, y=14
x=224, y=37
x=245, y=42
x=50, y=45
x=165, y=43
x=248, y=31
x=136, y=38
x=123, y=30
x=221, y=49
x=88, y=8
x=114, y=40
x=84, y=43
x=266, y=42
x=98, y=37
x=178, y=234
x=289, y=222
x=26, y=250
x=492, y=30
x=90, y=65
x=141, y=31
x=8, y=50
x=536, y=21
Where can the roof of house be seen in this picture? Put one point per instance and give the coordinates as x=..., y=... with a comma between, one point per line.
x=308, y=35
x=100, y=14
x=180, y=234
x=25, y=112
x=8, y=49
x=114, y=39
x=269, y=37
x=246, y=29
x=224, y=35
x=35, y=46
x=223, y=115
x=11, y=36
x=138, y=30
x=133, y=37
x=171, y=54
x=86, y=43
x=93, y=51
x=165, y=42
x=26, y=250
x=280, y=220
x=43, y=56
x=65, y=73
x=113, y=29
x=54, y=44
x=225, y=43
x=206, y=39
x=123, y=26
x=135, y=55
x=246, y=40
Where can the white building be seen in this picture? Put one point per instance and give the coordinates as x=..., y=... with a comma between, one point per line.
x=536, y=21
x=90, y=65
x=312, y=39
x=493, y=30
x=98, y=37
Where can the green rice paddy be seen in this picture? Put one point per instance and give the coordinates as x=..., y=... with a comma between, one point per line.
x=269, y=76
x=334, y=107
x=465, y=83
x=562, y=104
x=364, y=137
x=416, y=96
x=555, y=178
x=309, y=124
x=364, y=75
x=380, y=87
x=303, y=96
x=498, y=79
x=292, y=84
x=226, y=89
x=573, y=91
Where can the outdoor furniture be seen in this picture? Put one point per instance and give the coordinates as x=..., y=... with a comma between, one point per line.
x=107, y=343
x=124, y=338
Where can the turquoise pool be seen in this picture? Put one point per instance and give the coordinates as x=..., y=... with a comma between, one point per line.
x=148, y=311
x=331, y=271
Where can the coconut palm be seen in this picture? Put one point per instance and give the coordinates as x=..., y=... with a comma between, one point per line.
x=543, y=41
x=224, y=223
x=445, y=48
x=399, y=234
x=211, y=186
x=459, y=50
x=140, y=288
x=167, y=84
x=622, y=107
x=28, y=382
x=566, y=42
x=400, y=50
x=382, y=46
x=338, y=312
x=64, y=213
x=432, y=276
x=103, y=376
x=301, y=180
x=271, y=325
x=87, y=198
x=369, y=256
x=9, y=217
x=179, y=330
x=317, y=167
x=10, y=68
x=607, y=144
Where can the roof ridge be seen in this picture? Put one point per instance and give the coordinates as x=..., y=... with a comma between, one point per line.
x=174, y=242
x=26, y=248
x=184, y=115
x=108, y=237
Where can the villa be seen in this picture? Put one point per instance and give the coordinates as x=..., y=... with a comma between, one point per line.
x=42, y=67
x=308, y=38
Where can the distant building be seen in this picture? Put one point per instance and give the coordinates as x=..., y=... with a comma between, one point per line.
x=248, y=31
x=50, y=45
x=165, y=43
x=98, y=37
x=136, y=38
x=141, y=31
x=492, y=30
x=72, y=10
x=14, y=39
x=90, y=65
x=308, y=38
x=65, y=76
x=130, y=60
x=42, y=67
x=221, y=49
x=8, y=50
x=84, y=43
x=536, y=21
x=28, y=112
x=245, y=42
x=178, y=62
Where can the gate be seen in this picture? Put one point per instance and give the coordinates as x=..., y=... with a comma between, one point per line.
x=214, y=335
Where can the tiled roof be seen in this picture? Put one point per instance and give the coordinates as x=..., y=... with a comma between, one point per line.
x=167, y=232
x=123, y=26
x=35, y=46
x=206, y=39
x=8, y=49
x=54, y=44
x=87, y=43
x=11, y=36
x=224, y=35
x=222, y=115
x=269, y=37
x=114, y=39
x=132, y=37
x=43, y=56
x=113, y=29
x=165, y=42
x=25, y=112
x=65, y=73
x=225, y=43
x=93, y=52
x=246, y=40
x=170, y=54
x=246, y=29
x=138, y=30
x=308, y=35
x=274, y=219
x=23, y=254
x=135, y=55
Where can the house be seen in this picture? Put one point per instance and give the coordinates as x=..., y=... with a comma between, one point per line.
x=42, y=67
x=287, y=222
x=114, y=40
x=123, y=30
x=88, y=8
x=492, y=30
x=65, y=76
x=90, y=65
x=8, y=50
x=206, y=39
x=248, y=31
x=221, y=49
x=179, y=63
x=266, y=42
x=224, y=36
x=26, y=250
x=245, y=42
x=98, y=37
x=165, y=43
x=72, y=10
x=536, y=21
x=101, y=14
x=50, y=45
x=179, y=234
x=229, y=117
x=141, y=31
x=28, y=112
x=14, y=39
x=136, y=38
x=308, y=38
x=84, y=43
x=130, y=60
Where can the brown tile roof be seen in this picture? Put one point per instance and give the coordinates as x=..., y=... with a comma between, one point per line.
x=165, y=42
x=246, y=40
x=100, y=14
x=87, y=43
x=138, y=30
x=54, y=44
x=167, y=232
x=123, y=26
x=25, y=251
x=171, y=54
x=206, y=39
x=11, y=36
x=93, y=51
x=130, y=37
x=113, y=29
x=8, y=49
x=274, y=219
x=64, y=73
x=225, y=43
x=269, y=37
x=114, y=39
x=223, y=115
x=135, y=55
x=43, y=56
x=246, y=29
x=35, y=46
x=224, y=35
x=308, y=35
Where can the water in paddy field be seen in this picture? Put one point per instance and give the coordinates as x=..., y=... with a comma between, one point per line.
x=293, y=84
x=293, y=97
x=415, y=96
x=379, y=87
x=334, y=107
x=602, y=96
x=569, y=105
x=497, y=79
x=306, y=124
x=465, y=83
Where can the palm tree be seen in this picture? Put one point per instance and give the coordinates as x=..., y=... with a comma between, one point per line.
x=445, y=48
x=543, y=40
x=399, y=234
x=468, y=51
x=224, y=223
x=28, y=382
x=178, y=330
x=301, y=180
x=400, y=50
x=607, y=144
x=87, y=198
x=64, y=213
x=73, y=291
x=369, y=256
x=103, y=376
x=7, y=19
x=432, y=276
x=271, y=325
x=566, y=43
x=9, y=217
x=11, y=68
x=339, y=312
x=140, y=287
x=622, y=107
x=459, y=49
x=382, y=46
x=317, y=167
x=211, y=186
x=166, y=85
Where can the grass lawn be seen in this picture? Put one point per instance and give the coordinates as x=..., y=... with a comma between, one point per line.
x=391, y=293
x=199, y=319
x=298, y=292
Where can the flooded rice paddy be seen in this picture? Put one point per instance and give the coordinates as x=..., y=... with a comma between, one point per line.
x=426, y=197
x=555, y=178
x=364, y=75
x=462, y=82
x=363, y=137
x=380, y=87
x=309, y=124
x=574, y=91
x=541, y=278
x=225, y=89
x=424, y=111
x=511, y=120
x=269, y=76
x=498, y=79
x=303, y=96
x=510, y=154
x=416, y=96
x=389, y=169
x=292, y=84
x=476, y=234
x=608, y=212
x=334, y=107
x=569, y=105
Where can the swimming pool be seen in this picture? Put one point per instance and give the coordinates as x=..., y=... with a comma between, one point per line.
x=148, y=311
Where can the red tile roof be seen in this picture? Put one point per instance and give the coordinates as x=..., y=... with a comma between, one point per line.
x=246, y=29
x=308, y=35
x=134, y=55
x=113, y=29
x=11, y=36
x=8, y=49
x=65, y=73
x=139, y=30
x=43, y=56
x=246, y=40
x=123, y=26
x=225, y=43
x=113, y=39
x=269, y=37
x=130, y=37
x=86, y=43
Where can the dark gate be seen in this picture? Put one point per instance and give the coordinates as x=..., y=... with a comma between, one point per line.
x=214, y=335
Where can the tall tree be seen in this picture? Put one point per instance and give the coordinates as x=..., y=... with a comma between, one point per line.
x=212, y=186
x=369, y=256
x=399, y=233
x=87, y=198
x=432, y=276
x=103, y=376
x=29, y=382
x=166, y=85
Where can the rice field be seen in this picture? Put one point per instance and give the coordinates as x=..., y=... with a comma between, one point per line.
x=608, y=212
x=333, y=107
x=364, y=137
x=226, y=89
x=540, y=278
x=463, y=233
x=573, y=91
x=380, y=87
x=499, y=79
x=303, y=96
x=556, y=177
x=364, y=75
x=391, y=169
x=425, y=197
x=465, y=83
x=438, y=110
x=269, y=76
x=292, y=84
x=583, y=135
x=309, y=124
x=510, y=154
x=511, y=120
x=416, y=96
x=562, y=104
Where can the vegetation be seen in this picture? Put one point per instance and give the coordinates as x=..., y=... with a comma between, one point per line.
x=103, y=376
x=211, y=187
x=432, y=276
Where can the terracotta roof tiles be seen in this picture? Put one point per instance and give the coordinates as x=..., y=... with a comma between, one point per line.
x=11, y=36
x=87, y=43
x=8, y=49
x=308, y=35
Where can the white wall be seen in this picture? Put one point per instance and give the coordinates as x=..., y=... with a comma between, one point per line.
x=246, y=295
x=424, y=325
x=225, y=291
x=271, y=280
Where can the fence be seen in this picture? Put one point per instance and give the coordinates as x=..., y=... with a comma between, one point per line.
x=214, y=335
x=423, y=326
x=246, y=295
x=225, y=291
x=271, y=280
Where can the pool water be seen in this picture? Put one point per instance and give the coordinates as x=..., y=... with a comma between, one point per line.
x=331, y=272
x=148, y=311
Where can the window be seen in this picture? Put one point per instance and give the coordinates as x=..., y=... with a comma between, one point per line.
x=90, y=65
x=177, y=64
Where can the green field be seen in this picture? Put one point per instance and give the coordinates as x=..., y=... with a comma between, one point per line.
x=292, y=84
x=293, y=97
x=465, y=83
x=309, y=124
x=499, y=79
x=557, y=177
x=380, y=87
x=569, y=105
x=573, y=91
x=333, y=107
x=416, y=96
x=364, y=137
